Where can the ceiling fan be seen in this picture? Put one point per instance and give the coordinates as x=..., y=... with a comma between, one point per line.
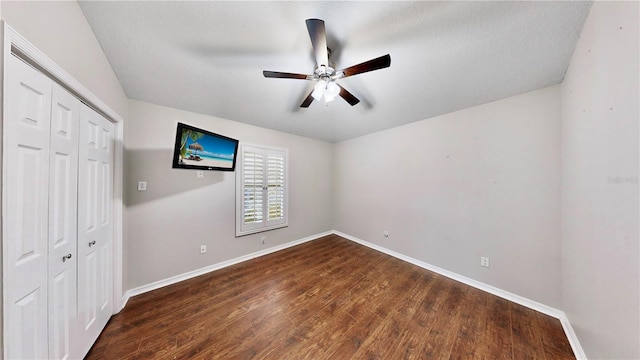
x=325, y=73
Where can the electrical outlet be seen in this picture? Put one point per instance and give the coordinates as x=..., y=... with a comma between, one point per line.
x=203, y=249
x=386, y=233
x=484, y=261
x=142, y=186
x=263, y=239
x=199, y=174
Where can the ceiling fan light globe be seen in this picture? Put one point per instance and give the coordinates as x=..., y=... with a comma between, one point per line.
x=331, y=92
x=319, y=90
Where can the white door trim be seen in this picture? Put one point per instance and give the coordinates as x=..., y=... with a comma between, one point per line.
x=13, y=42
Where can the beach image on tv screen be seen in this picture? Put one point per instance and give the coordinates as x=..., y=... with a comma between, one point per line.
x=201, y=149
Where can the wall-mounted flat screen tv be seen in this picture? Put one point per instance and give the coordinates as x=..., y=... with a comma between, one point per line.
x=203, y=150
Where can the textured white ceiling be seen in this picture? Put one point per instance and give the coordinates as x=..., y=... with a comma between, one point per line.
x=208, y=57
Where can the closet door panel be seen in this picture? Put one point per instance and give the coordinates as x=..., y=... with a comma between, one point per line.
x=63, y=190
x=26, y=162
x=95, y=230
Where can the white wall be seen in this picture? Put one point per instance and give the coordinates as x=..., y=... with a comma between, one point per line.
x=60, y=30
x=167, y=224
x=483, y=181
x=1, y=265
x=600, y=266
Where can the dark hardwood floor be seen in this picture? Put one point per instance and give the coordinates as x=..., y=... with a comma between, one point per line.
x=327, y=299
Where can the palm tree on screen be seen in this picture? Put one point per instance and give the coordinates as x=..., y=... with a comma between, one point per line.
x=188, y=134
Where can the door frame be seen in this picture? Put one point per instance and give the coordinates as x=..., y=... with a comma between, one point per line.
x=14, y=43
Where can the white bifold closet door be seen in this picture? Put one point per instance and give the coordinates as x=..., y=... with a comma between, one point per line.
x=63, y=199
x=95, y=225
x=26, y=165
x=57, y=187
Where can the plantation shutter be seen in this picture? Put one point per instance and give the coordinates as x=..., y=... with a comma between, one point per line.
x=261, y=188
x=253, y=184
x=275, y=186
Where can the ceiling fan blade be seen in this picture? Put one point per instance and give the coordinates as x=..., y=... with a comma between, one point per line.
x=318, y=40
x=352, y=100
x=285, y=75
x=307, y=101
x=374, y=64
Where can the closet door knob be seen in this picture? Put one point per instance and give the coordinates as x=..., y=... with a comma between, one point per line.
x=66, y=257
x=92, y=243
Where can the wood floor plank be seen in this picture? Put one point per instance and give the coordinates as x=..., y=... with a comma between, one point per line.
x=554, y=340
x=327, y=299
x=527, y=341
x=445, y=325
x=473, y=321
x=498, y=329
x=353, y=339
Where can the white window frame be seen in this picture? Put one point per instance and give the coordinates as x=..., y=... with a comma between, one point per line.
x=265, y=225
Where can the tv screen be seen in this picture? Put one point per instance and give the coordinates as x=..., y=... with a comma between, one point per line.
x=203, y=150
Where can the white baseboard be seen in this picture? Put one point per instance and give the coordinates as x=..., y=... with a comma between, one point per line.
x=191, y=274
x=558, y=314
x=573, y=338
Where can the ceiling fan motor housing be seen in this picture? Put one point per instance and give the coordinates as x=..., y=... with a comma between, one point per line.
x=326, y=72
